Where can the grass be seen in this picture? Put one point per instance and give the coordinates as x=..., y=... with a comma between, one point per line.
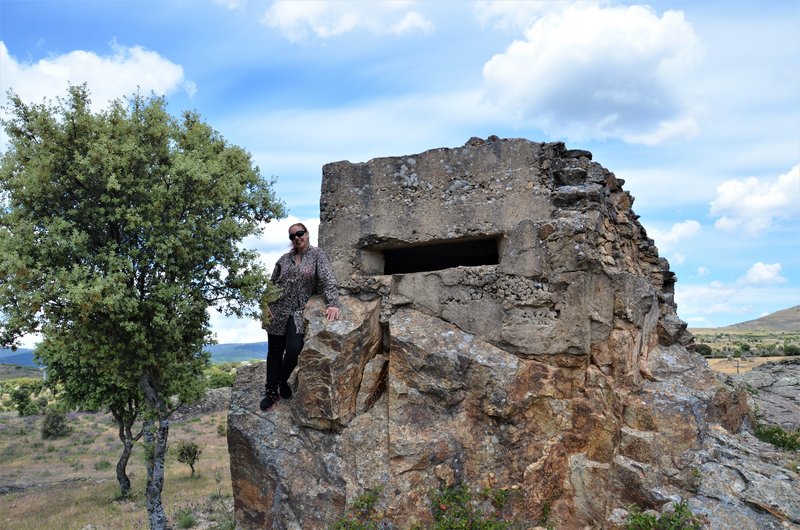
x=735, y=366
x=74, y=479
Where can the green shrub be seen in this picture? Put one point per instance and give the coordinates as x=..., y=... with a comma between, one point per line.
x=362, y=514
x=31, y=409
x=791, y=349
x=703, y=349
x=102, y=465
x=185, y=518
x=222, y=429
x=216, y=377
x=680, y=518
x=773, y=434
x=456, y=508
x=188, y=452
x=21, y=397
x=54, y=424
x=778, y=436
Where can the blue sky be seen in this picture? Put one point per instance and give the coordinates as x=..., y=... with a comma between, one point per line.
x=696, y=105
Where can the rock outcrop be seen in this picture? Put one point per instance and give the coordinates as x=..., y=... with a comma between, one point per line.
x=774, y=390
x=507, y=324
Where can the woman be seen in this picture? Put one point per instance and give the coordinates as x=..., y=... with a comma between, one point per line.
x=299, y=273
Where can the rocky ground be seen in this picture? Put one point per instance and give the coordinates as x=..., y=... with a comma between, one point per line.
x=775, y=392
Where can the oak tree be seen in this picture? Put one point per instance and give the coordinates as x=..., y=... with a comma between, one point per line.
x=119, y=230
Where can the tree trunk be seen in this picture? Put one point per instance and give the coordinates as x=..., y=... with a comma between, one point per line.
x=125, y=416
x=155, y=474
x=122, y=464
x=156, y=434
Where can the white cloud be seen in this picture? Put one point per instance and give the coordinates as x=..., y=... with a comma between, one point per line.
x=271, y=245
x=722, y=303
x=274, y=241
x=666, y=240
x=108, y=77
x=600, y=72
x=325, y=20
x=702, y=271
x=762, y=273
x=505, y=15
x=753, y=206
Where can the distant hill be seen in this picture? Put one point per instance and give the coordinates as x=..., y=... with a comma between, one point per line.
x=783, y=320
x=220, y=353
x=226, y=353
x=21, y=357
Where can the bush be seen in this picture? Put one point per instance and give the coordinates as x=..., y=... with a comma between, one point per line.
x=777, y=436
x=680, y=518
x=216, y=377
x=791, y=349
x=21, y=397
x=222, y=429
x=102, y=465
x=54, y=424
x=703, y=349
x=188, y=452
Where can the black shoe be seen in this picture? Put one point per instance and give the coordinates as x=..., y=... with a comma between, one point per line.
x=269, y=400
x=285, y=391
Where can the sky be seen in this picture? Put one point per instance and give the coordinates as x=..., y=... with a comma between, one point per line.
x=696, y=105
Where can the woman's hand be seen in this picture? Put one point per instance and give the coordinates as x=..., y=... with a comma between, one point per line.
x=332, y=313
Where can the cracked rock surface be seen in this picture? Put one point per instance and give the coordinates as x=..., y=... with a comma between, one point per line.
x=775, y=392
x=554, y=366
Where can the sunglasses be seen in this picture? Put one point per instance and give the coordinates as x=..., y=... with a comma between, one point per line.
x=299, y=233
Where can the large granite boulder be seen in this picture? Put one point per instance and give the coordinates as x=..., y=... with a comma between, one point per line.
x=506, y=324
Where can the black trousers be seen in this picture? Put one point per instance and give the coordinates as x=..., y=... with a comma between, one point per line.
x=282, y=355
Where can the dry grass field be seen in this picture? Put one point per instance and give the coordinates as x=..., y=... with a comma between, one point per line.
x=735, y=366
x=69, y=483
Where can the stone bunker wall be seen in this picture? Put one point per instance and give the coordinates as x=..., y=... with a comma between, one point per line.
x=528, y=245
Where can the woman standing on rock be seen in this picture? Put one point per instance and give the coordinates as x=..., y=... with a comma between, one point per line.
x=299, y=274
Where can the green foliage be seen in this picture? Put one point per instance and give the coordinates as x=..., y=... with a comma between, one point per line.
x=455, y=508
x=362, y=513
x=703, y=349
x=54, y=424
x=185, y=518
x=218, y=377
x=222, y=429
x=778, y=436
x=119, y=230
x=188, y=452
x=791, y=350
x=680, y=518
x=103, y=465
x=21, y=398
x=774, y=434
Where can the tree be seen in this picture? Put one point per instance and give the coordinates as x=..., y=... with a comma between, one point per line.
x=188, y=452
x=118, y=231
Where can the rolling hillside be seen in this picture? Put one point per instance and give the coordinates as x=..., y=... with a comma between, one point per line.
x=220, y=353
x=784, y=320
